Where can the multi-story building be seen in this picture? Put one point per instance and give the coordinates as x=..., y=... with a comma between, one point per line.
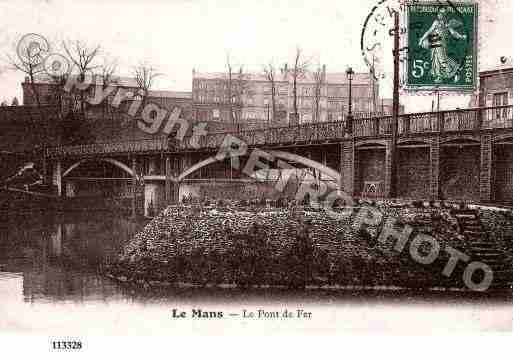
x=48, y=89
x=321, y=96
x=496, y=89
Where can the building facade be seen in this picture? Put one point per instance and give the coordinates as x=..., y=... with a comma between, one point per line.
x=112, y=117
x=496, y=89
x=321, y=97
x=49, y=91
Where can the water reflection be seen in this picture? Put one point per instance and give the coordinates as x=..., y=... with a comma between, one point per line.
x=60, y=257
x=50, y=281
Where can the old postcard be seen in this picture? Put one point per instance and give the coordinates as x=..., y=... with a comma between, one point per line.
x=198, y=167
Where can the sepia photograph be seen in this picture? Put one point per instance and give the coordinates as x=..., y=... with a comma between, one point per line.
x=204, y=167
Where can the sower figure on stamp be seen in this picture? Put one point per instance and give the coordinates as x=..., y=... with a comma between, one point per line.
x=443, y=67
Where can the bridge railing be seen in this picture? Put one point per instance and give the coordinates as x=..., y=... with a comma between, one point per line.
x=110, y=147
x=442, y=121
x=372, y=127
x=305, y=133
x=414, y=123
x=497, y=117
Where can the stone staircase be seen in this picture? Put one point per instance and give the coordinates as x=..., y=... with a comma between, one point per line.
x=482, y=249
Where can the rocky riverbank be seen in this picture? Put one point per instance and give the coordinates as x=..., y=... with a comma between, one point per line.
x=296, y=247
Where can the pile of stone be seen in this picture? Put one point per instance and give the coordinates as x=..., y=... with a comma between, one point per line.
x=275, y=246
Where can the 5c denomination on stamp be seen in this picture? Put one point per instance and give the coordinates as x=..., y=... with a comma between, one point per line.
x=442, y=48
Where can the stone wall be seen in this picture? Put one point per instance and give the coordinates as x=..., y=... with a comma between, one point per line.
x=242, y=190
x=503, y=176
x=370, y=167
x=22, y=127
x=413, y=172
x=195, y=244
x=460, y=173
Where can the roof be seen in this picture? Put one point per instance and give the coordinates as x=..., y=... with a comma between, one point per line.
x=126, y=82
x=121, y=81
x=499, y=70
x=171, y=94
x=332, y=77
x=224, y=76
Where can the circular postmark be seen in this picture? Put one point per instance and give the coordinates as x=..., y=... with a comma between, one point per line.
x=375, y=37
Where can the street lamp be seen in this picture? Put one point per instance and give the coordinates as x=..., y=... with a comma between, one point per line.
x=266, y=103
x=349, y=124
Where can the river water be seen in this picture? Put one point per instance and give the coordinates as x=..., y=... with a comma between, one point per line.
x=50, y=283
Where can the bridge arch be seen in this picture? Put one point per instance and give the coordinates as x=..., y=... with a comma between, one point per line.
x=503, y=138
x=373, y=142
x=414, y=141
x=460, y=139
x=112, y=161
x=276, y=155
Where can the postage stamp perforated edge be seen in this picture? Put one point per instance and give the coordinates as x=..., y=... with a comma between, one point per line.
x=404, y=42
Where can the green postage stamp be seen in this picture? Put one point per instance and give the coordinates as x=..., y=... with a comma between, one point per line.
x=442, y=45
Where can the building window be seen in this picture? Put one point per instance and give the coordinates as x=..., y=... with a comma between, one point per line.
x=283, y=91
x=215, y=114
x=500, y=99
x=307, y=91
x=335, y=92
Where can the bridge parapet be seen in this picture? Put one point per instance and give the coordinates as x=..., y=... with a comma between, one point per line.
x=141, y=146
x=500, y=117
x=475, y=119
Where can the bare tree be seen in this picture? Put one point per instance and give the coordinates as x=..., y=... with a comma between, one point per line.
x=31, y=64
x=145, y=75
x=319, y=77
x=240, y=89
x=83, y=58
x=297, y=71
x=108, y=71
x=236, y=86
x=229, y=88
x=108, y=77
x=270, y=74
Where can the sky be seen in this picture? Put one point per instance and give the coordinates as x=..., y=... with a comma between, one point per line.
x=177, y=36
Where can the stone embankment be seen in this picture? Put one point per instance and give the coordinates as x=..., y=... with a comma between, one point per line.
x=297, y=247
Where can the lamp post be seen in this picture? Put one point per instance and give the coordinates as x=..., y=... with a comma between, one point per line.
x=266, y=103
x=349, y=124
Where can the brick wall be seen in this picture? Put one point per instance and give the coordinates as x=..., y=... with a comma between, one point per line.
x=434, y=170
x=371, y=167
x=47, y=94
x=228, y=190
x=413, y=173
x=21, y=127
x=503, y=176
x=485, y=185
x=460, y=173
x=495, y=81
